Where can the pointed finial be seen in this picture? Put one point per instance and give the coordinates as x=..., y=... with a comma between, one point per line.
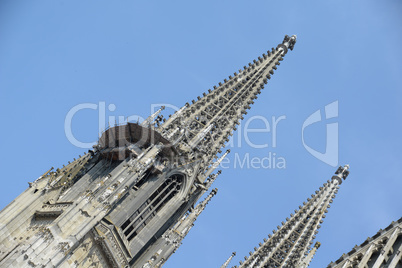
x=288, y=43
x=341, y=173
x=216, y=164
x=305, y=262
x=228, y=260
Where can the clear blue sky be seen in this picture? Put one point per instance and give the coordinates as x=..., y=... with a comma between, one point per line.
x=55, y=55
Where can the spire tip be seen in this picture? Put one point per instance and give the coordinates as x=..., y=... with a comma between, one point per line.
x=287, y=43
x=341, y=173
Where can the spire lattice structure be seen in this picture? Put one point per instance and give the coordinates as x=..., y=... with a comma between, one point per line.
x=289, y=245
x=112, y=206
x=204, y=126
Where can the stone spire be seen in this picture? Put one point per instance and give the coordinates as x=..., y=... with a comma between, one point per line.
x=227, y=262
x=205, y=125
x=112, y=206
x=289, y=244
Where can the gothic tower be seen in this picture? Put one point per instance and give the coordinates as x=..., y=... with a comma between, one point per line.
x=119, y=204
x=290, y=245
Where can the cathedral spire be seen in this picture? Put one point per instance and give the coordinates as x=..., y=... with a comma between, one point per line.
x=206, y=124
x=140, y=181
x=289, y=245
